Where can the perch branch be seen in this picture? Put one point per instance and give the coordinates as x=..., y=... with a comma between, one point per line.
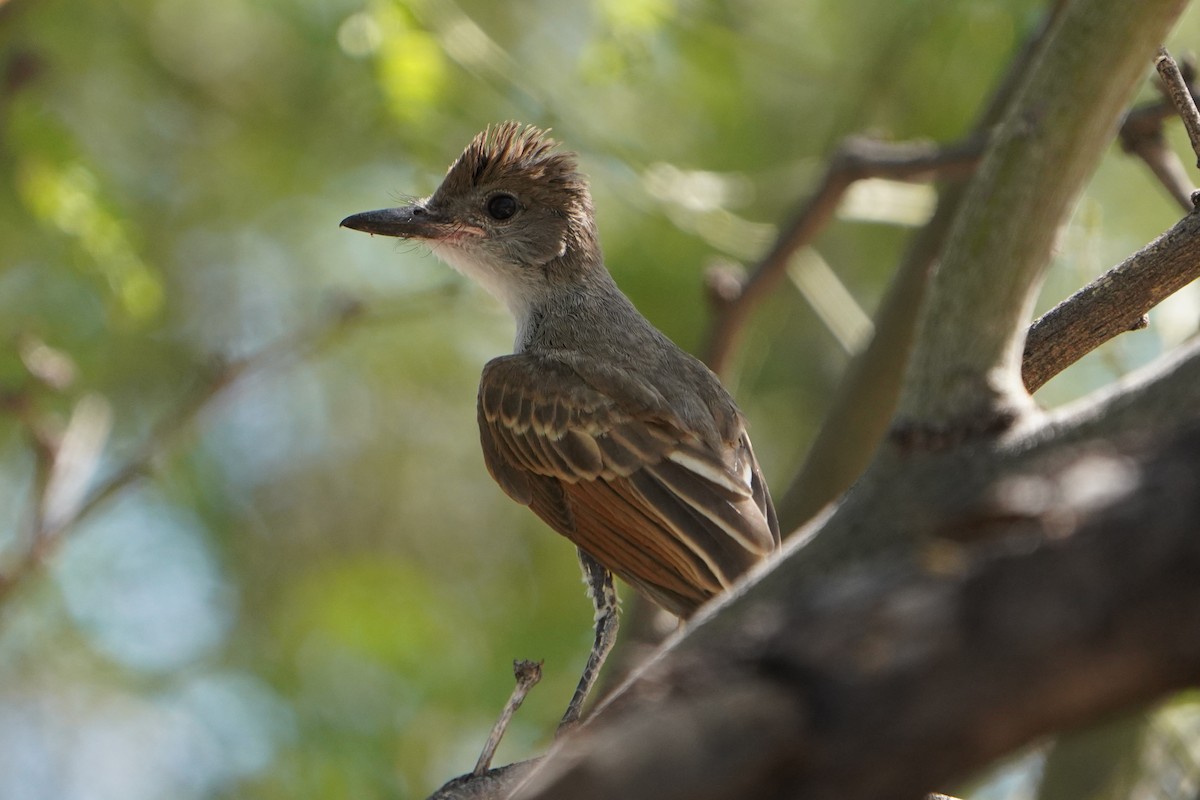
x=929, y=670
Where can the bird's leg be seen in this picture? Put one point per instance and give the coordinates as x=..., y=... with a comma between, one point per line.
x=604, y=598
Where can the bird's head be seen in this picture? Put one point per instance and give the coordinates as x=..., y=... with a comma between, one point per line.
x=513, y=212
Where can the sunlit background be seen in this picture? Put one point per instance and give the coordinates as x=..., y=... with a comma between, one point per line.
x=316, y=590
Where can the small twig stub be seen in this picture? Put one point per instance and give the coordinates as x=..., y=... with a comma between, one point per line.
x=527, y=673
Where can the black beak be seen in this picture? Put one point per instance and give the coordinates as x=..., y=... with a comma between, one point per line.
x=409, y=222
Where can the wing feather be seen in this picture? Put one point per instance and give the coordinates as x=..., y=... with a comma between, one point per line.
x=615, y=516
x=515, y=447
x=716, y=473
x=661, y=506
x=618, y=457
x=549, y=459
x=582, y=452
x=739, y=517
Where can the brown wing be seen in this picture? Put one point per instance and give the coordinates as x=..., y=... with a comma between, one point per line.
x=676, y=518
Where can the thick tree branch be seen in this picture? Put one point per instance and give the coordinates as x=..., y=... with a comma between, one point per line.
x=1114, y=303
x=1061, y=120
x=865, y=398
x=495, y=784
x=929, y=670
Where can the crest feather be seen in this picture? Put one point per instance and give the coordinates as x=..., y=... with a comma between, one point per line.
x=507, y=149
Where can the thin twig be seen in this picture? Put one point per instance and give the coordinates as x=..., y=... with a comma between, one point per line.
x=1181, y=96
x=855, y=160
x=48, y=530
x=1142, y=135
x=527, y=673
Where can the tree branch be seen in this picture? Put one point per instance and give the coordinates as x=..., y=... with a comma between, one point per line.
x=1142, y=136
x=855, y=160
x=56, y=511
x=1181, y=97
x=865, y=398
x=929, y=670
x=1061, y=120
x=1112, y=304
x=527, y=673
x=495, y=784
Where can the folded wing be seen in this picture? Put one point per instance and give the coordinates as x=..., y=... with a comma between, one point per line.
x=668, y=512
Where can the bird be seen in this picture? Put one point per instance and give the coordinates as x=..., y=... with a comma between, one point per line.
x=614, y=436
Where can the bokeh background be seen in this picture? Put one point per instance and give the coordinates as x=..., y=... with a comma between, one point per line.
x=316, y=590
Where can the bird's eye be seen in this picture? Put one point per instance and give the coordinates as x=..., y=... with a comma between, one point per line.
x=502, y=206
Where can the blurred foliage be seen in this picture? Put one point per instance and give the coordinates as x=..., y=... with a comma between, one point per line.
x=319, y=591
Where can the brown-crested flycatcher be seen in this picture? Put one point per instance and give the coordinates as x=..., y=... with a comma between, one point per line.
x=618, y=439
